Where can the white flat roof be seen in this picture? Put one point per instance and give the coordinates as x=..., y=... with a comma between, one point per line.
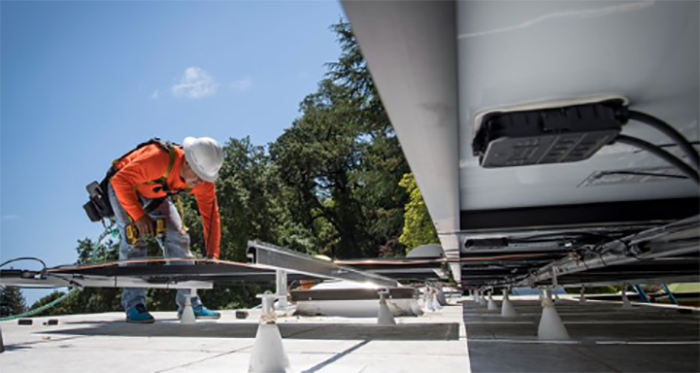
x=89, y=343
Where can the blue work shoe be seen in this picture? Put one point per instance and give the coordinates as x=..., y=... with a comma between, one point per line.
x=139, y=314
x=201, y=312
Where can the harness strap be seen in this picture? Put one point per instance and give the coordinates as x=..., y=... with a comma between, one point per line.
x=181, y=211
x=163, y=181
x=171, y=165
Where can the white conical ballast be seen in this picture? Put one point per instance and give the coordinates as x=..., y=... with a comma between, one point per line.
x=440, y=296
x=507, y=309
x=268, y=355
x=187, y=316
x=482, y=300
x=491, y=305
x=428, y=300
x=436, y=302
x=385, y=317
x=551, y=327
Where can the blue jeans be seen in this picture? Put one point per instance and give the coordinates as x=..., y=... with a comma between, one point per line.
x=176, y=245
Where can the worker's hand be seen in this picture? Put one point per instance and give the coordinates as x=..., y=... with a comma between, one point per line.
x=145, y=226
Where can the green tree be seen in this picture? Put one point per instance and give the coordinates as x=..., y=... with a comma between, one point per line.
x=418, y=228
x=342, y=162
x=382, y=162
x=316, y=158
x=11, y=301
x=90, y=251
x=66, y=307
x=46, y=299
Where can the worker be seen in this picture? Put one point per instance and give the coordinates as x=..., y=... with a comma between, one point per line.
x=141, y=189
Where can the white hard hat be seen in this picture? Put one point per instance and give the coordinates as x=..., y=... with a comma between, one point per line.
x=205, y=157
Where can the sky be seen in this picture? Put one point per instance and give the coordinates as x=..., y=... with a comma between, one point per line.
x=81, y=83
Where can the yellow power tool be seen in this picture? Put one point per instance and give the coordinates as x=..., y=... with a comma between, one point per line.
x=132, y=233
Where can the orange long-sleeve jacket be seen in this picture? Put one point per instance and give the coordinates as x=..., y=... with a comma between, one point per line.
x=150, y=163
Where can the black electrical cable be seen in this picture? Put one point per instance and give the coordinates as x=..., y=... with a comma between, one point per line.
x=562, y=236
x=673, y=144
x=638, y=173
x=666, y=156
x=68, y=280
x=24, y=258
x=671, y=132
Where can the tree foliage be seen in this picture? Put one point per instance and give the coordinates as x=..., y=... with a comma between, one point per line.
x=342, y=162
x=11, y=301
x=418, y=229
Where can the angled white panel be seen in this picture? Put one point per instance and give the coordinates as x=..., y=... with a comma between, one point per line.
x=411, y=53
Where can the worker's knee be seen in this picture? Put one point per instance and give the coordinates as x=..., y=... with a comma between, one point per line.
x=178, y=244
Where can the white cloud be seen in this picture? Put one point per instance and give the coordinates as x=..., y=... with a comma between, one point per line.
x=155, y=95
x=243, y=84
x=10, y=217
x=195, y=83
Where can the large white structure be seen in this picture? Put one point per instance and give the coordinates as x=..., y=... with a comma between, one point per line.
x=440, y=65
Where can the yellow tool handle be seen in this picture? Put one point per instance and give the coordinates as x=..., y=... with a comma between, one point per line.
x=132, y=234
x=160, y=228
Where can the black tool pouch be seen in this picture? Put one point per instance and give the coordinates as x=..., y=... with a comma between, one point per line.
x=99, y=207
x=92, y=212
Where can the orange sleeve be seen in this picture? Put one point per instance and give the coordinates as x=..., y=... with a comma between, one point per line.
x=149, y=165
x=205, y=194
